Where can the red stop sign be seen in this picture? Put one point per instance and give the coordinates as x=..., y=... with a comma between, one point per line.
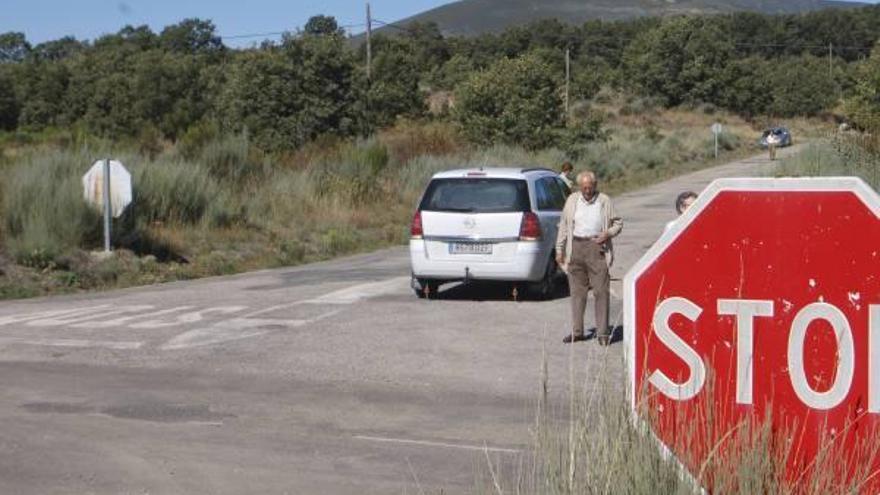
x=762, y=305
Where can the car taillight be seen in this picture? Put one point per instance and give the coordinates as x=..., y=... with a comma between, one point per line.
x=530, y=229
x=415, y=230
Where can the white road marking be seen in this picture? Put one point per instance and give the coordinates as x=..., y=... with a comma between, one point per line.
x=225, y=331
x=191, y=317
x=235, y=329
x=360, y=292
x=246, y=326
x=425, y=443
x=118, y=322
x=107, y=344
x=71, y=320
x=272, y=308
x=19, y=318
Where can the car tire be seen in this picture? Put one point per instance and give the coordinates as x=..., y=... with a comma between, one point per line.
x=546, y=287
x=421, y=284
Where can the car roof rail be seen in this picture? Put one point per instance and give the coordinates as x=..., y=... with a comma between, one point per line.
x=537, y=169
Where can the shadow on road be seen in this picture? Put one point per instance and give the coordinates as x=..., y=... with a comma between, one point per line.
x=498, y=291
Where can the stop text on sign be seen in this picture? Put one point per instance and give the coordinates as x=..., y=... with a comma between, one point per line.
x=745, y=312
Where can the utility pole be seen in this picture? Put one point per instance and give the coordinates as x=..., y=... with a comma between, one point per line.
x=831, y=61
x=567, y=85
x=369, y=43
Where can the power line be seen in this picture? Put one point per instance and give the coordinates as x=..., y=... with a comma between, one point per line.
x=280, y=33
x=255, y=35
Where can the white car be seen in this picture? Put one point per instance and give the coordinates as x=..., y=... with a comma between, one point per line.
x=487, y=224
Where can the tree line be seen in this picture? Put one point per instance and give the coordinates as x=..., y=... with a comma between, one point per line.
x=184, y=82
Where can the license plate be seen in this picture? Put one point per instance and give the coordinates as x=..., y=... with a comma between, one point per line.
x=469, y=248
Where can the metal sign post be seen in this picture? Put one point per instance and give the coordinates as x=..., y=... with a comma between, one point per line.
x=716, y=130
x=107, y=206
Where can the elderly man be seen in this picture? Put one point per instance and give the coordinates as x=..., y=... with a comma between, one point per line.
x=584, y=251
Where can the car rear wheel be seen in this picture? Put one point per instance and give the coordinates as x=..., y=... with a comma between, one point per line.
x=425, y=289
x=546, y=287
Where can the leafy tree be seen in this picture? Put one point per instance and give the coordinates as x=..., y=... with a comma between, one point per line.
x=554, y=34
x=679, y=61
x=129, y=37
x=801, y=86
x=45, y=86
x=394, y=89
x=191, y=36
x=9, y=107
x=100, y=91
x=589, y=75
x=515, y=101
x=13, y=47
x=863, y=108
x=454, y=72
x=57, y=50
x=428, y=47
x=747, y=88
x=289, y=95
x=322, y=25
x=170, y=91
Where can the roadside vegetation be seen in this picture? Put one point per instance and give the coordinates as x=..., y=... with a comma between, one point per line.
x=287, y=152
x=852, y=150
x=225, y=206
x=593, y=444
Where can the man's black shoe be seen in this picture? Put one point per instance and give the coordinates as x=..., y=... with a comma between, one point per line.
x=604, y=340
x=576, y=338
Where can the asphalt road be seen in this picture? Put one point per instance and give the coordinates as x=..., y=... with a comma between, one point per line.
x=330, y=378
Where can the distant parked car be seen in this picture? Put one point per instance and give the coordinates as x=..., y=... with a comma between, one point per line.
x=487, y=224
x=779, y=136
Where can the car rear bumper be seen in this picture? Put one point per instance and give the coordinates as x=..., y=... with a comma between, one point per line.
x=527, y=264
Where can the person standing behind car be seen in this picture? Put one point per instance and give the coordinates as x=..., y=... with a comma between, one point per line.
x=585, y=252
x=565, y=174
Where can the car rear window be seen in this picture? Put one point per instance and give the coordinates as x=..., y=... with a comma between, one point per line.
x=476, y=195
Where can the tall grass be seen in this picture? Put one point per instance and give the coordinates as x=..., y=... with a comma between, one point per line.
x=46, y=216
x=172, y=191
x=841, y=155
x=590, y=441
x=44, y=210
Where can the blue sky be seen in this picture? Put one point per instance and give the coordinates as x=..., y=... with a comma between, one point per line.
x=43, y=20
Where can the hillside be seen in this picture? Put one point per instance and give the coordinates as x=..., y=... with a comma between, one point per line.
x=472, y=17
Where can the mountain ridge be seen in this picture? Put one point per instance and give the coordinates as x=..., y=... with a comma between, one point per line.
x=475, y=17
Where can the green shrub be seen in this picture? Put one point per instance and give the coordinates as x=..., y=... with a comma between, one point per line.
x=219, y=263
x=196, y=137
x=149, y=141
x=641, y=105
x=170, y=191
x=226, y=209
x=575, y=139
x=43, y=208
x=728, y=141
x=232, y=158
x=353, y=177
x=516, y=101
x=338, y=240
x=17, y=290
x=292, y=252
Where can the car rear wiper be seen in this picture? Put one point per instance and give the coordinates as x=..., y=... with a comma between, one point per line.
x=458, y=210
